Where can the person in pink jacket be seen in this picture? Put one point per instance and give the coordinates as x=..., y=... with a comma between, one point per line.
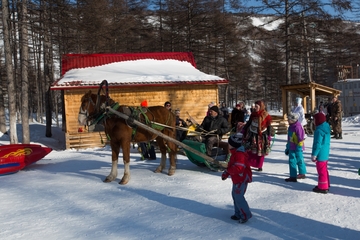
x=240, y=171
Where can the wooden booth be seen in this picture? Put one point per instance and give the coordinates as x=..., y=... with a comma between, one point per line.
x=307, y=91
x=134, y=77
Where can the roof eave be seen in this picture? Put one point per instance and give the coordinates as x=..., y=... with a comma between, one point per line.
x=129, y=85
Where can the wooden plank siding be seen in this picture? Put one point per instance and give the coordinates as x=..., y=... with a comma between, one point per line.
x=190, y=98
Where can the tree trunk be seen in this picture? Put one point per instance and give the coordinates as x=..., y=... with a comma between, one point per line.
x=48, y=70
x=2, y=109
x=9, y=71
x=287, y=55
x=24, y=56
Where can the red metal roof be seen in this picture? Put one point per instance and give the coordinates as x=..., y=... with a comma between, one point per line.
x=85, y=61
x=71, y=61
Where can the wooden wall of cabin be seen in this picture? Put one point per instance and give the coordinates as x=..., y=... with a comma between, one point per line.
x=193, y=99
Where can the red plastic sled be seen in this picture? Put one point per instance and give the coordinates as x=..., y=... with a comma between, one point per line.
x=15, y=157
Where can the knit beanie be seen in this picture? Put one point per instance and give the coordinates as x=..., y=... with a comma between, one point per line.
x=261, y=104
x=235, y=140
x=293, y=117
x=258, y=103
x=215, y=109
x=319, y=118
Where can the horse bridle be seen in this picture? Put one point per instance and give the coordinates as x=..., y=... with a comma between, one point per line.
x=86, y=112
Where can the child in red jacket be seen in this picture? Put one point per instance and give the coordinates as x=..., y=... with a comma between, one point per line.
x=240, y=171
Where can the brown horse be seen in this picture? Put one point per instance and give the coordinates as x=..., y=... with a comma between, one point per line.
x=121, y=134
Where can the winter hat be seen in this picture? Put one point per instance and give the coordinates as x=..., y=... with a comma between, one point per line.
x=298, y=100
x=293, y=117
x=215, y=109
x=144, y=103
x=261, y=104
x=235, y=140
x=319, y=118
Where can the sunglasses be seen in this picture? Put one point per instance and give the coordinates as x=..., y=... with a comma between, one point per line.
x=168, y=105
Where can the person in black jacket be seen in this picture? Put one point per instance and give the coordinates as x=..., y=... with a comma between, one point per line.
x=179, y=122
x=215, y=126
x=238, y=115
x=224, y=110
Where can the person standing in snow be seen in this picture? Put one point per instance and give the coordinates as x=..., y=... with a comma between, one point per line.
x=238, y=115
x=147, y=150
x=320, y=152
x=336, y=118
x=295, y=147
x=224, y=110
x=257, y=137
x=300, y=110
x=240, y=171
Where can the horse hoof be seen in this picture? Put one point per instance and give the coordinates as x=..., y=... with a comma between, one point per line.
x=123, y=182
x=107, y=180
x=171, y=172
x=158, y=170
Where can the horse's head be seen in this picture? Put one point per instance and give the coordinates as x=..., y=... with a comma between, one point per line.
x=92, y=106
x=87, y=107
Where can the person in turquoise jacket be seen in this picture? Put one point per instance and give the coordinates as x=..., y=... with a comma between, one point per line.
x=321, y=151
x=295, y=147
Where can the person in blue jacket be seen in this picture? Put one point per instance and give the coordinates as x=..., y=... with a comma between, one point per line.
x=321, y=151
x=295, y=147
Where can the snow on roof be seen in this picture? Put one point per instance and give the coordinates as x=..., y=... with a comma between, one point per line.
x=143, y=72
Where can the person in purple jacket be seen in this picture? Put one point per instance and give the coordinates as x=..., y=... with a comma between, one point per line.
x=295, y=147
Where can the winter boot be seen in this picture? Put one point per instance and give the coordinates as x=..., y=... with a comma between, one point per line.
x=318, y=190
x=335, y=136
x=301, y=176
x=291, y=179
x=339, y=136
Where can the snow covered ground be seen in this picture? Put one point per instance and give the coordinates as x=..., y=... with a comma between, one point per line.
x=62, y=197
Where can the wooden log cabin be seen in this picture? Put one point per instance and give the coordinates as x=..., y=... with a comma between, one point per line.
x=133, y=77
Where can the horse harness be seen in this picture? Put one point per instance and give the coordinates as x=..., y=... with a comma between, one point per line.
x=134, y=113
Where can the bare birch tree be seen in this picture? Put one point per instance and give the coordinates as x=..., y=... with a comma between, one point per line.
x=24, y=64
x=9, y=71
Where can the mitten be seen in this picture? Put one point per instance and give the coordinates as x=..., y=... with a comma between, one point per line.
x=224, y=175
x=286, y=152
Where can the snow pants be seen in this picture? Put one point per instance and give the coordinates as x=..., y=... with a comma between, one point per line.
x=296, y=161
x=323, y=179
x=241, y=206
x=147, y=151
